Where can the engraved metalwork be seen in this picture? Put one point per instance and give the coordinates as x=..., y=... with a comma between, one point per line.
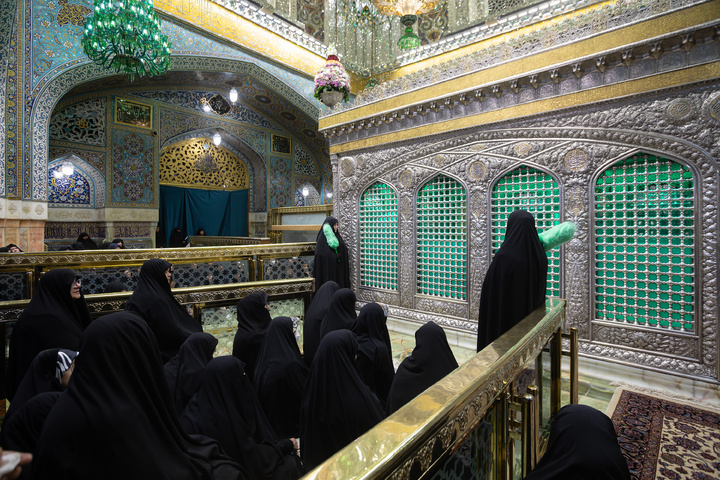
x=680, y=111
x=712, y=108
x=406, y=178
x=522, y=148
x=347, y=167
x=575, y=201
x=477, y=170
x=576, y=160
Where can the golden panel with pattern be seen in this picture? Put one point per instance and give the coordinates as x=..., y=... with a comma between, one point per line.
x=198, y=163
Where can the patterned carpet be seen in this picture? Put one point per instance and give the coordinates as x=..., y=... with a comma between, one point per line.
x=666, y=439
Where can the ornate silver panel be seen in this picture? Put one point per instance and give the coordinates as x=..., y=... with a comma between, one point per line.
x=574, y=147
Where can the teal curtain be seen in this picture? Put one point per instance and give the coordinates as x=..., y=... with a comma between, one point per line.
x=218, y=212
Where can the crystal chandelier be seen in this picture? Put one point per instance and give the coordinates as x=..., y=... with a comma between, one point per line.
x=125, y=35
x=407, y=10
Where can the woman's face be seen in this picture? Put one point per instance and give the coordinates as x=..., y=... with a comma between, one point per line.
x=65, y=379
x=168, y=274
x=75, y=289
x=335, y=227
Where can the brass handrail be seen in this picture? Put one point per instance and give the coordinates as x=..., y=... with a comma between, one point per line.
x=449, y=411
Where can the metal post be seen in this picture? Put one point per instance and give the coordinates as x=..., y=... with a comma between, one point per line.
x=555, y=372
x=573, y=365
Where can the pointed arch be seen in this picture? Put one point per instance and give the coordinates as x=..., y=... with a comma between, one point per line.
x=85, y=174
x=379, y=237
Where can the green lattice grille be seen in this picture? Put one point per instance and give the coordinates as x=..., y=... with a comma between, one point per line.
x=378, y=237
x=538, y=193
x=645, y=243
x=442, y=239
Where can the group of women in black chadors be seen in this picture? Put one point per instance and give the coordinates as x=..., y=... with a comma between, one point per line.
x=138, y=393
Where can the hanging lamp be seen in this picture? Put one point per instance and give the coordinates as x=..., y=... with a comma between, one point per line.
x=407, y=10
x=124, y=35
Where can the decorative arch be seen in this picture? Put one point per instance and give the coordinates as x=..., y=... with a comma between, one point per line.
x=645, y=232
x=442, y=238
x=379, y=237
x=47, y=95
x=256, y=165
x=83, y=170
x=312, y=198
x=532, y=189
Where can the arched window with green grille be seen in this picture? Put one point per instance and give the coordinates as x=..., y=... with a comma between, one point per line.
x=442, y=239
x=378, y=237
x=645, y=243
x=537, y=192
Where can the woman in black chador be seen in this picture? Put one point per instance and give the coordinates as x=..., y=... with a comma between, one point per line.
x=184, y=371
x=314, y=317
x=516, y=281
x=225, y=408
x=341, y=312
x=431, y=360
x=153, y=300
x=582, y=445
x=331, y=259
x=116, y=420
x=337, y=407
x=374, y=359
x=177, y=239
x=280, y=375
x=87, y=242
x=55, y=318
x=253, y=317
x=49, y=372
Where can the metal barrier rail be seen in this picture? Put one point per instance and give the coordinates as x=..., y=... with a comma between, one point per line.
x=198, y=298
x=32, y=265
x=415, y=441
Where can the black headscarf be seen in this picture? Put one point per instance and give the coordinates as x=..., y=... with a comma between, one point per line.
x=431, y=360
x=280, y=375
x=117, y=420
x=253, y=321
x=341, y=312
x=177, y=239
x=314, y=317
x=87, y=242
x=582, y=445
x=21, y=432
x=184, y=370
x=114, y=286
x=225, y=408
x=42, y=376
x=52, y=319
x=8, y=247
x=153, y=300
x=119, y=241
x=160, y=240
x=515, y=283
x=337, y=407
x=329, y=263
x=374, y=359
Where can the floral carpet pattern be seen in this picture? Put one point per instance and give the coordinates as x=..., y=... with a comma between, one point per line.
x=667, y=439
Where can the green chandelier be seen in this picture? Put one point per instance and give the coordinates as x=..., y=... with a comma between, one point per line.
x=124, y=35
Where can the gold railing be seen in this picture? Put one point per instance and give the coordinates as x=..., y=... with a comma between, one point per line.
x=197, y=299
x=421, y=437
x=276, y=225
x=33, y=264
x=208, y=241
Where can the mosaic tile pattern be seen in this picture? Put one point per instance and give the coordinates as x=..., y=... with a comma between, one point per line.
x=7, y=16
x=132, y=170
x=304, y=163
x=95, y=158
x=83, y=122
x=69, y=190
x=193, y=100
x=280, y=170
x=58, y=191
